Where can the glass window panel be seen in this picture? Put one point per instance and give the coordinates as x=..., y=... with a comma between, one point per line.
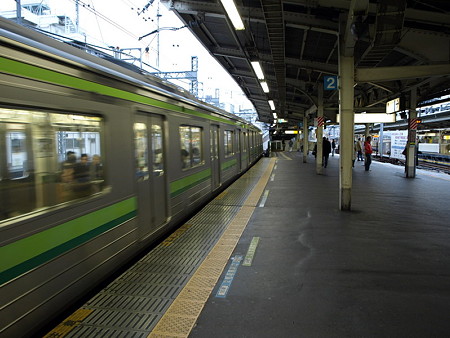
x=16, y=151
x=47, y=159
x=191, y=146
x=141, y=150
x=185, y=145
x=157, y=148
x=196, y=138
x=228, y=143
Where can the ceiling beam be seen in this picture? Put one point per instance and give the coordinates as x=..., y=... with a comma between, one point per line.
x=381, y=74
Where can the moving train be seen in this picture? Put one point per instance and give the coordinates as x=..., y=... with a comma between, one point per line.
x=97, y=162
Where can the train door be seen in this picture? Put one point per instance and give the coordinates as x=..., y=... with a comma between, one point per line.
x=244, y=152
x=150, y=172
x=239, y=149
x=215, y=159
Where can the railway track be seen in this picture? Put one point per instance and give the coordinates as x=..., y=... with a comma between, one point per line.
x=434, y=166
x=426, y=164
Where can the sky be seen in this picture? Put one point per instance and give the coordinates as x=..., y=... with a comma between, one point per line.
x=120, y=23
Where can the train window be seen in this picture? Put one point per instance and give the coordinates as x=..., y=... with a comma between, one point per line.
x=228, y=143
x=16, y=152
x=157, y=149
x=141, y=150
x=47, y=159
x=191, y=146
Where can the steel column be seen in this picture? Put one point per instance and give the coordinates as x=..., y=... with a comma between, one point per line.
x=319, y=134
x=305, y=138
x=411, y=145
x=346, y=94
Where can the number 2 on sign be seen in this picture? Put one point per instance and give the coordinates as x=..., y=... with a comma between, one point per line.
x=330, y=82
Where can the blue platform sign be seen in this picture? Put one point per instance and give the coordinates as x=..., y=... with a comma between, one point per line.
x=330, y=82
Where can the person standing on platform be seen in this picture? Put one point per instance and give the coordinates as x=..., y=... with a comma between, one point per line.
x=368, y=153
x=326, y=150
x=290, y=145
x=359, y=150
x=333, y=147
x=355, y=152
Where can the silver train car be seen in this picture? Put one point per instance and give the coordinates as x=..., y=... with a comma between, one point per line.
x=97, y=162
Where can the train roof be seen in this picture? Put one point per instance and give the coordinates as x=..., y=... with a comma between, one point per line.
x=105, y=65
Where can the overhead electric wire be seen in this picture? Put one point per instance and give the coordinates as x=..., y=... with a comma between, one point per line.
x=95, y=12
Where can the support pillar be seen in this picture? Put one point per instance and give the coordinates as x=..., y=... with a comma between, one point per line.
x=380, y=141
x=346, y=97
x=366, y=131
x=319, y=133
x=411, y=145
x=305, y=138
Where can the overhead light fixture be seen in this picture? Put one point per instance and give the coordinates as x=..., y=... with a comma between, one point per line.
x=275, y=116
x=233, y=14
x=258, y=70
x=264, y=86
x=271, y=104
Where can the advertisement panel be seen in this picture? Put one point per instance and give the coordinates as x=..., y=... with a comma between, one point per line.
x=398, y=142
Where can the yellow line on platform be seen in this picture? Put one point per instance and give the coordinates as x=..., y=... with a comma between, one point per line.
x=69, y=323
x=285, y=156
x=435, y=176
x=182, y=314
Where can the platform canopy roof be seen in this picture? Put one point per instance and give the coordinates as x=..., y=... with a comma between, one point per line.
x=298, y=43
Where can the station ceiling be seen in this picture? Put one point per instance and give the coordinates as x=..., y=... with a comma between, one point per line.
x=298, y=42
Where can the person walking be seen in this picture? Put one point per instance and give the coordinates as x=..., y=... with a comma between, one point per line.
x=290, y=145
x=326, y=150
x=368, y=153
x=333, y=147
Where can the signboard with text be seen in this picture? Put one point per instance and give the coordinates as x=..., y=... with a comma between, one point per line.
x=330, y=82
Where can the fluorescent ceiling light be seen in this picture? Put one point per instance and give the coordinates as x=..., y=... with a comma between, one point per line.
x=271, y=104
x=233, y=14
x=275, y=116
x=371, y=118
x=258, y=70
x=264, y=86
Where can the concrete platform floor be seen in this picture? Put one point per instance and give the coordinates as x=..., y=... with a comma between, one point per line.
x=381, y=270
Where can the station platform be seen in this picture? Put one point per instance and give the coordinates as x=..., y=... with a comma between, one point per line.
x=273, y=256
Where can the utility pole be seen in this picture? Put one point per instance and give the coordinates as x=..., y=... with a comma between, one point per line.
x=77, y=17
x=157, y=36
x=19, y=12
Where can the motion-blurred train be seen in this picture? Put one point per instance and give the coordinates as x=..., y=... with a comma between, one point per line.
x=96, y=163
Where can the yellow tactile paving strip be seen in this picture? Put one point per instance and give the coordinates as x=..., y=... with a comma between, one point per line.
x=69, y=323
x=181, y=316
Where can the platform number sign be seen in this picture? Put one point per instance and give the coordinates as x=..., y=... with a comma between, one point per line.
x=330, y=82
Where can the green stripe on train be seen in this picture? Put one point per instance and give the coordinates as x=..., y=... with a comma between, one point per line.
x=41, y=74
x=32, y=251
x=179, y=186
x=228, y=164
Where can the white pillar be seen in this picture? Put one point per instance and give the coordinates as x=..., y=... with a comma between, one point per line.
x=319, y=134
x=367, y=130
x=411, y=145
x=305, y=138
x=346, y=96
